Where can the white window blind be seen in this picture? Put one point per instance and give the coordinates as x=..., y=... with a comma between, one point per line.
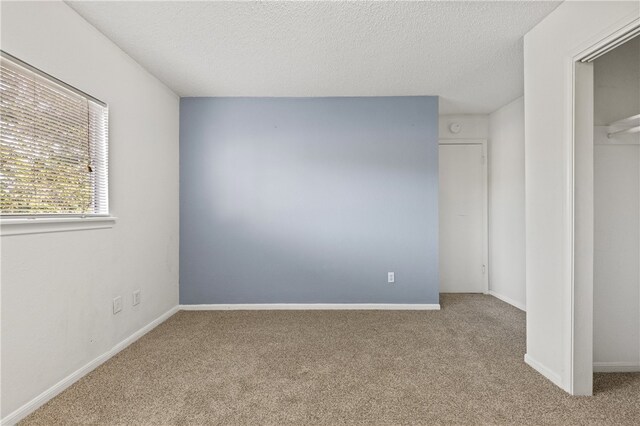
x=53, y=146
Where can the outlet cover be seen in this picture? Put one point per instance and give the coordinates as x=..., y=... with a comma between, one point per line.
x=136, y=297
x=117, y=305
x=391, y=277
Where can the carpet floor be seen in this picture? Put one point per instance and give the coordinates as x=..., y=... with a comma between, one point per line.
x=461, y=365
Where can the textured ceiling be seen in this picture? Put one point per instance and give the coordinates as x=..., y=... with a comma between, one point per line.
x=469, y=53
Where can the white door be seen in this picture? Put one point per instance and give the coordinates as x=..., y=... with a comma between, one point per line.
x=462, y=221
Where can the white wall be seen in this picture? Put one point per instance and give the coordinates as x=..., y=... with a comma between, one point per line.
x=549, y=48
x=472, y=126
x=616, y=283
x=506, y=203
x=57, y=288
x=617, y=83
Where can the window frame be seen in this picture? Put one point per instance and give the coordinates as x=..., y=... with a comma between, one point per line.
x=16, y=224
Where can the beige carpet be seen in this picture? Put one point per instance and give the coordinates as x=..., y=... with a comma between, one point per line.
x=463, y=364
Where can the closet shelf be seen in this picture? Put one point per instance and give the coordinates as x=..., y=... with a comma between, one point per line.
x=625, y=126
x=630, y=130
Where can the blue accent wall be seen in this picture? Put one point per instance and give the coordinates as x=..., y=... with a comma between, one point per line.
x=308, y=200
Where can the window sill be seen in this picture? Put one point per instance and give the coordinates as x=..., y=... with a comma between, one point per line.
x=44, y=225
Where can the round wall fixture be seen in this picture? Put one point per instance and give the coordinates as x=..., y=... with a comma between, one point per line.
x=455, y=127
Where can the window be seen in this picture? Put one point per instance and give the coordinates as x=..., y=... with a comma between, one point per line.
x=53, y=146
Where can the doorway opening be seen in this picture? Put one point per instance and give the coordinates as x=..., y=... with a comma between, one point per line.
x=606, y=210
x=616, y=254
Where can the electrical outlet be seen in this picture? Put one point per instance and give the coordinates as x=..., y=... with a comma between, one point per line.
x=117, y=305
x=391, y=277
x=136, y=297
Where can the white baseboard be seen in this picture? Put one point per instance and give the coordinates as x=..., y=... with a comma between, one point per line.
x=508, y=300
x=616, y=367
x=63, y=384
x=312, y=307
x=553, y=377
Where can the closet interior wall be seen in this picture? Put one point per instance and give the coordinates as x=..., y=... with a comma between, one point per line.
x=617, y=210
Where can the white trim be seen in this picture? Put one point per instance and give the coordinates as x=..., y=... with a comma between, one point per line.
x=63, y=384
x=623, y=35
x=485, y=201
x=44, y=225
x=508, y=300
x=313, y=307
x=616, y=367
x=580, y=250
x=553, y=377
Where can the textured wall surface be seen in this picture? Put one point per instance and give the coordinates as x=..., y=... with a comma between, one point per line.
x=467, y=53
x=308, y=200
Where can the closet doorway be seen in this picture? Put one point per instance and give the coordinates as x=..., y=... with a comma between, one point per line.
x=616, y=255
x=605, y=296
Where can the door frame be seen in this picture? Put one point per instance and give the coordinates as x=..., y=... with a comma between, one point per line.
x=580, y=201
x=485, y=201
